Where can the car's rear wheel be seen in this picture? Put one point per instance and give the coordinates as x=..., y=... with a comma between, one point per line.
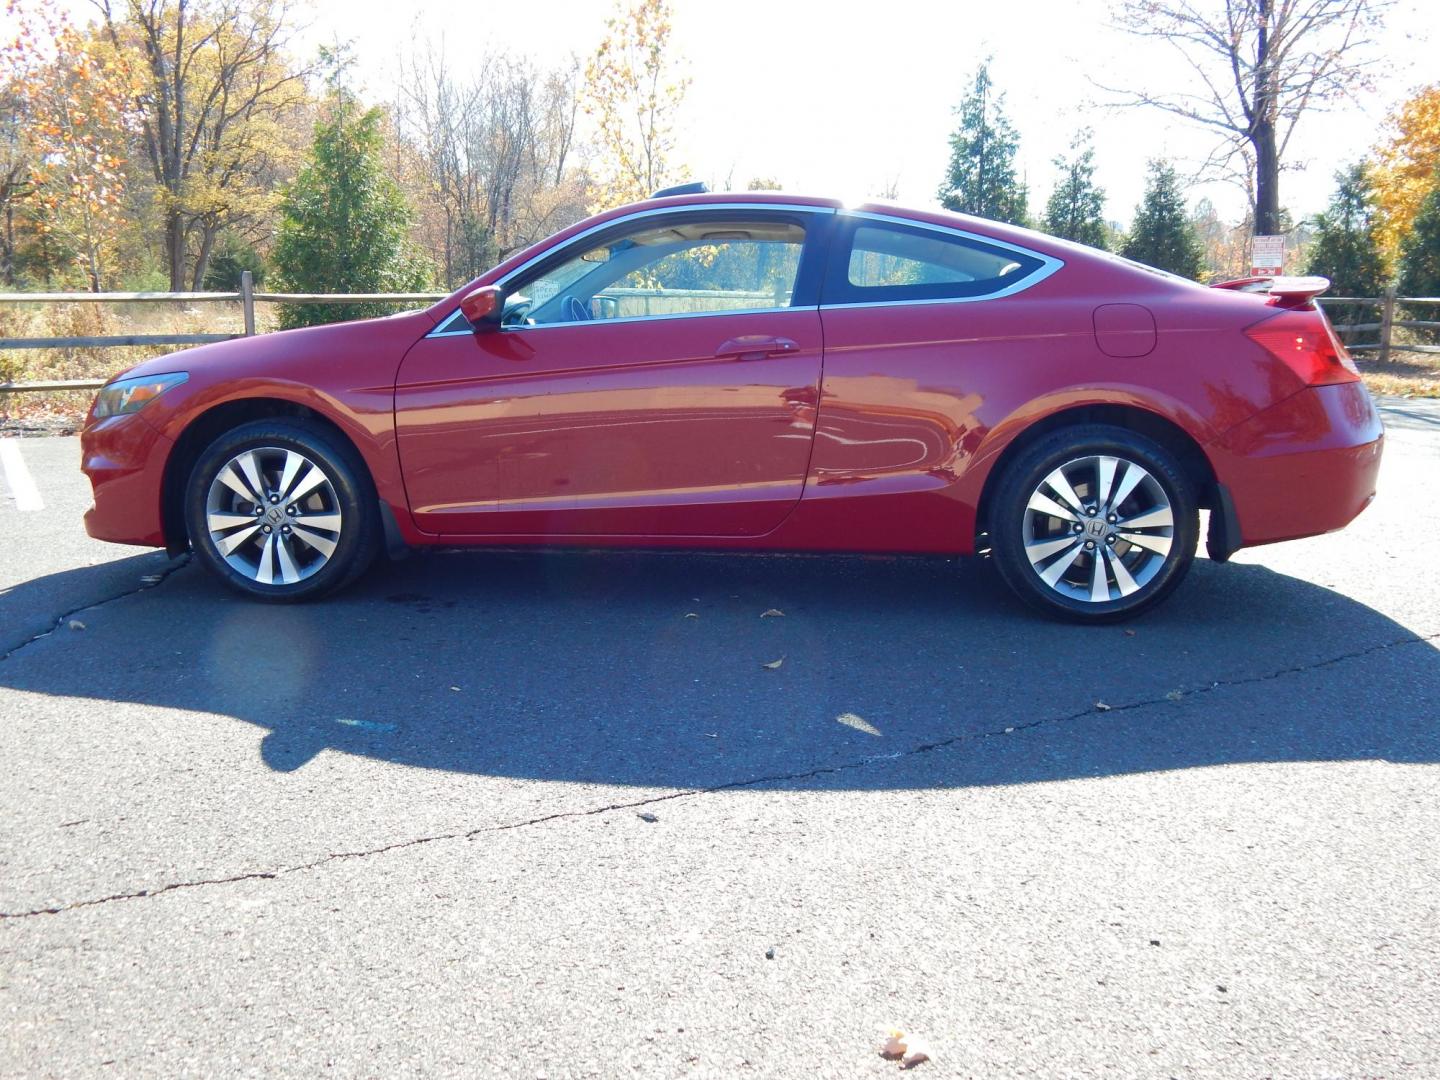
x=1094, y=523
x=279, y=511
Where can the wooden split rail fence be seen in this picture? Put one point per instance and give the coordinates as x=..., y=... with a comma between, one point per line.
x=247, y=298
x=1387, y=324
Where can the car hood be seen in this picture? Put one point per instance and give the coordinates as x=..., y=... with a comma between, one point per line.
x=366, y=349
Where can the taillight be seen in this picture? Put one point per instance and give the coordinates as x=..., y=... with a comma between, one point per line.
x=1305, y=343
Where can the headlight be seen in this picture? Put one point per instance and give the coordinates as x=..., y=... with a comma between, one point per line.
x=132, y=395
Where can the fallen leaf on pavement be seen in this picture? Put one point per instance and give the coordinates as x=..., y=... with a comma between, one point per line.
x=1102, y=707
x=1129, y=633
x=648, y=817
x=909, y=1050
x=1175, y=695
x=859, y=723
x=772, y=613
x=76, y=624
x=774, y=664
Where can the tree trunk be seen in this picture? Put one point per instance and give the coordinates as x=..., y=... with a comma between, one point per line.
x=1267, y=179
x=202, y=261
x=175, y=249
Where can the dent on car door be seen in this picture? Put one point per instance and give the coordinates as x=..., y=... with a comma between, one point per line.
x=629, y=393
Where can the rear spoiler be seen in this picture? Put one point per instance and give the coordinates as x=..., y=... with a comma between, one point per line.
x=1295, y=293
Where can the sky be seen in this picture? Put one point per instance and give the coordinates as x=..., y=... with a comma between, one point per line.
x=848, y=99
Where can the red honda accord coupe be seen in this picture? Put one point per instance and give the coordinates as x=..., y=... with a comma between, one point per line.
x=760, y=372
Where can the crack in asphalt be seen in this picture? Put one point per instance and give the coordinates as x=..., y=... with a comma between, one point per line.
x=150, y=581
x=1099, y=709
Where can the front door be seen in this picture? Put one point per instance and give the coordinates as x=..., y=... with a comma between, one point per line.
x=659, y=379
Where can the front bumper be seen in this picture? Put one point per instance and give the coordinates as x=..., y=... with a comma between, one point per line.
x=1302, y=467
x=124, y=457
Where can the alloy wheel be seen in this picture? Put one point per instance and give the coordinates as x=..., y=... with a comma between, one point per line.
x=1098, y=528
x=273, y=515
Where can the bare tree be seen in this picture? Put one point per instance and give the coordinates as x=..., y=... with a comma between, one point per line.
x=493, y=150
x=1258, y=66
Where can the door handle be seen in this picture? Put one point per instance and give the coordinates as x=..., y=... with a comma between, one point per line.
x=756, y=347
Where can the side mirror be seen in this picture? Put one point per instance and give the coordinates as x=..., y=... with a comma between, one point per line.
x=483, y=306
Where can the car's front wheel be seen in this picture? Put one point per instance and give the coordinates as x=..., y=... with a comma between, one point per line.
x=1094, y=523
x=278, y=510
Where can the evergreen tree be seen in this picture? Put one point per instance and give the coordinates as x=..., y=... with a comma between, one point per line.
x=1420, y=258
x=1076, y=210
x=1346, y=248
x=1161, y=234
x=981, y=178
x=345, y=222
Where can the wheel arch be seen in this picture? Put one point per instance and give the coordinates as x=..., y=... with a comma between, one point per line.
x=201, y=431
x=1186, y=448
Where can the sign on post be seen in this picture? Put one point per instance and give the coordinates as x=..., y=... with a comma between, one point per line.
x=1267, y=256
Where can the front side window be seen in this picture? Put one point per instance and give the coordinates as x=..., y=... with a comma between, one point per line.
x=681, y=267
x=894, y=262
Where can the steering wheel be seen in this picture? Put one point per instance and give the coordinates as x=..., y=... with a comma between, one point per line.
x=574, y=309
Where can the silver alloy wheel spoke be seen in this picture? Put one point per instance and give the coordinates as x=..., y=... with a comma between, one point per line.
x=1105, y=468
x=293, y=463
x=1099, y=583
x=230, y=543
x=288, y=573
x=1043, y=549
x=1075, y=544
x=247, y=464
x=1134, y=474
x=1046, y=505
x=320, y=543
x=231, y=479
x=1052, y=572
x=1123, y=581
x=274, y=515
x=313, y=479
x=223, y=522
x=1057, y=483
x=1158, y=544
x=1159, y=517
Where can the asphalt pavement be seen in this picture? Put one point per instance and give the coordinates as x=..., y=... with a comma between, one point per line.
x=550, y=815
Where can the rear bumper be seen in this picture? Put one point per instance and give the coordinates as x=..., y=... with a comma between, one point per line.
x=124, y=457
x=1305, y=466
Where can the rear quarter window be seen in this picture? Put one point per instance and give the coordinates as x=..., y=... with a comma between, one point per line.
x=880, y=262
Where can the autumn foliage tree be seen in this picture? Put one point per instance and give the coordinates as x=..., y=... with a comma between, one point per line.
x=212, y=89
x=633, y=92
x=1407, y=165
x=66, y=164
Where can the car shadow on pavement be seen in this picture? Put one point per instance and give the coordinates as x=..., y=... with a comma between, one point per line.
x=658, y=670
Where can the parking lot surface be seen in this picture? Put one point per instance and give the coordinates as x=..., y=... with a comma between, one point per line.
x=524, y=814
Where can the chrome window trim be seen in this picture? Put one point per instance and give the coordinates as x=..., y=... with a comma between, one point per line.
x=637, y=216
x=628, y=319
x=1050, y=264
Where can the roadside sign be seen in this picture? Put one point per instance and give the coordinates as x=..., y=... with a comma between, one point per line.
x=1267, y=256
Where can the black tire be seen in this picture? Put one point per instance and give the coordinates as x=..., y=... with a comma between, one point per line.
x=1028, y=543
x=344, y=498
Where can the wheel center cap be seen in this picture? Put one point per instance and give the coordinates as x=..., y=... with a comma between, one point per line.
x=1095, y=527
x=275, y=515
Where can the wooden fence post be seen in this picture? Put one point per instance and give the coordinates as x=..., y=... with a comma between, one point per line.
x=247, y=301
x=1387, y=321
